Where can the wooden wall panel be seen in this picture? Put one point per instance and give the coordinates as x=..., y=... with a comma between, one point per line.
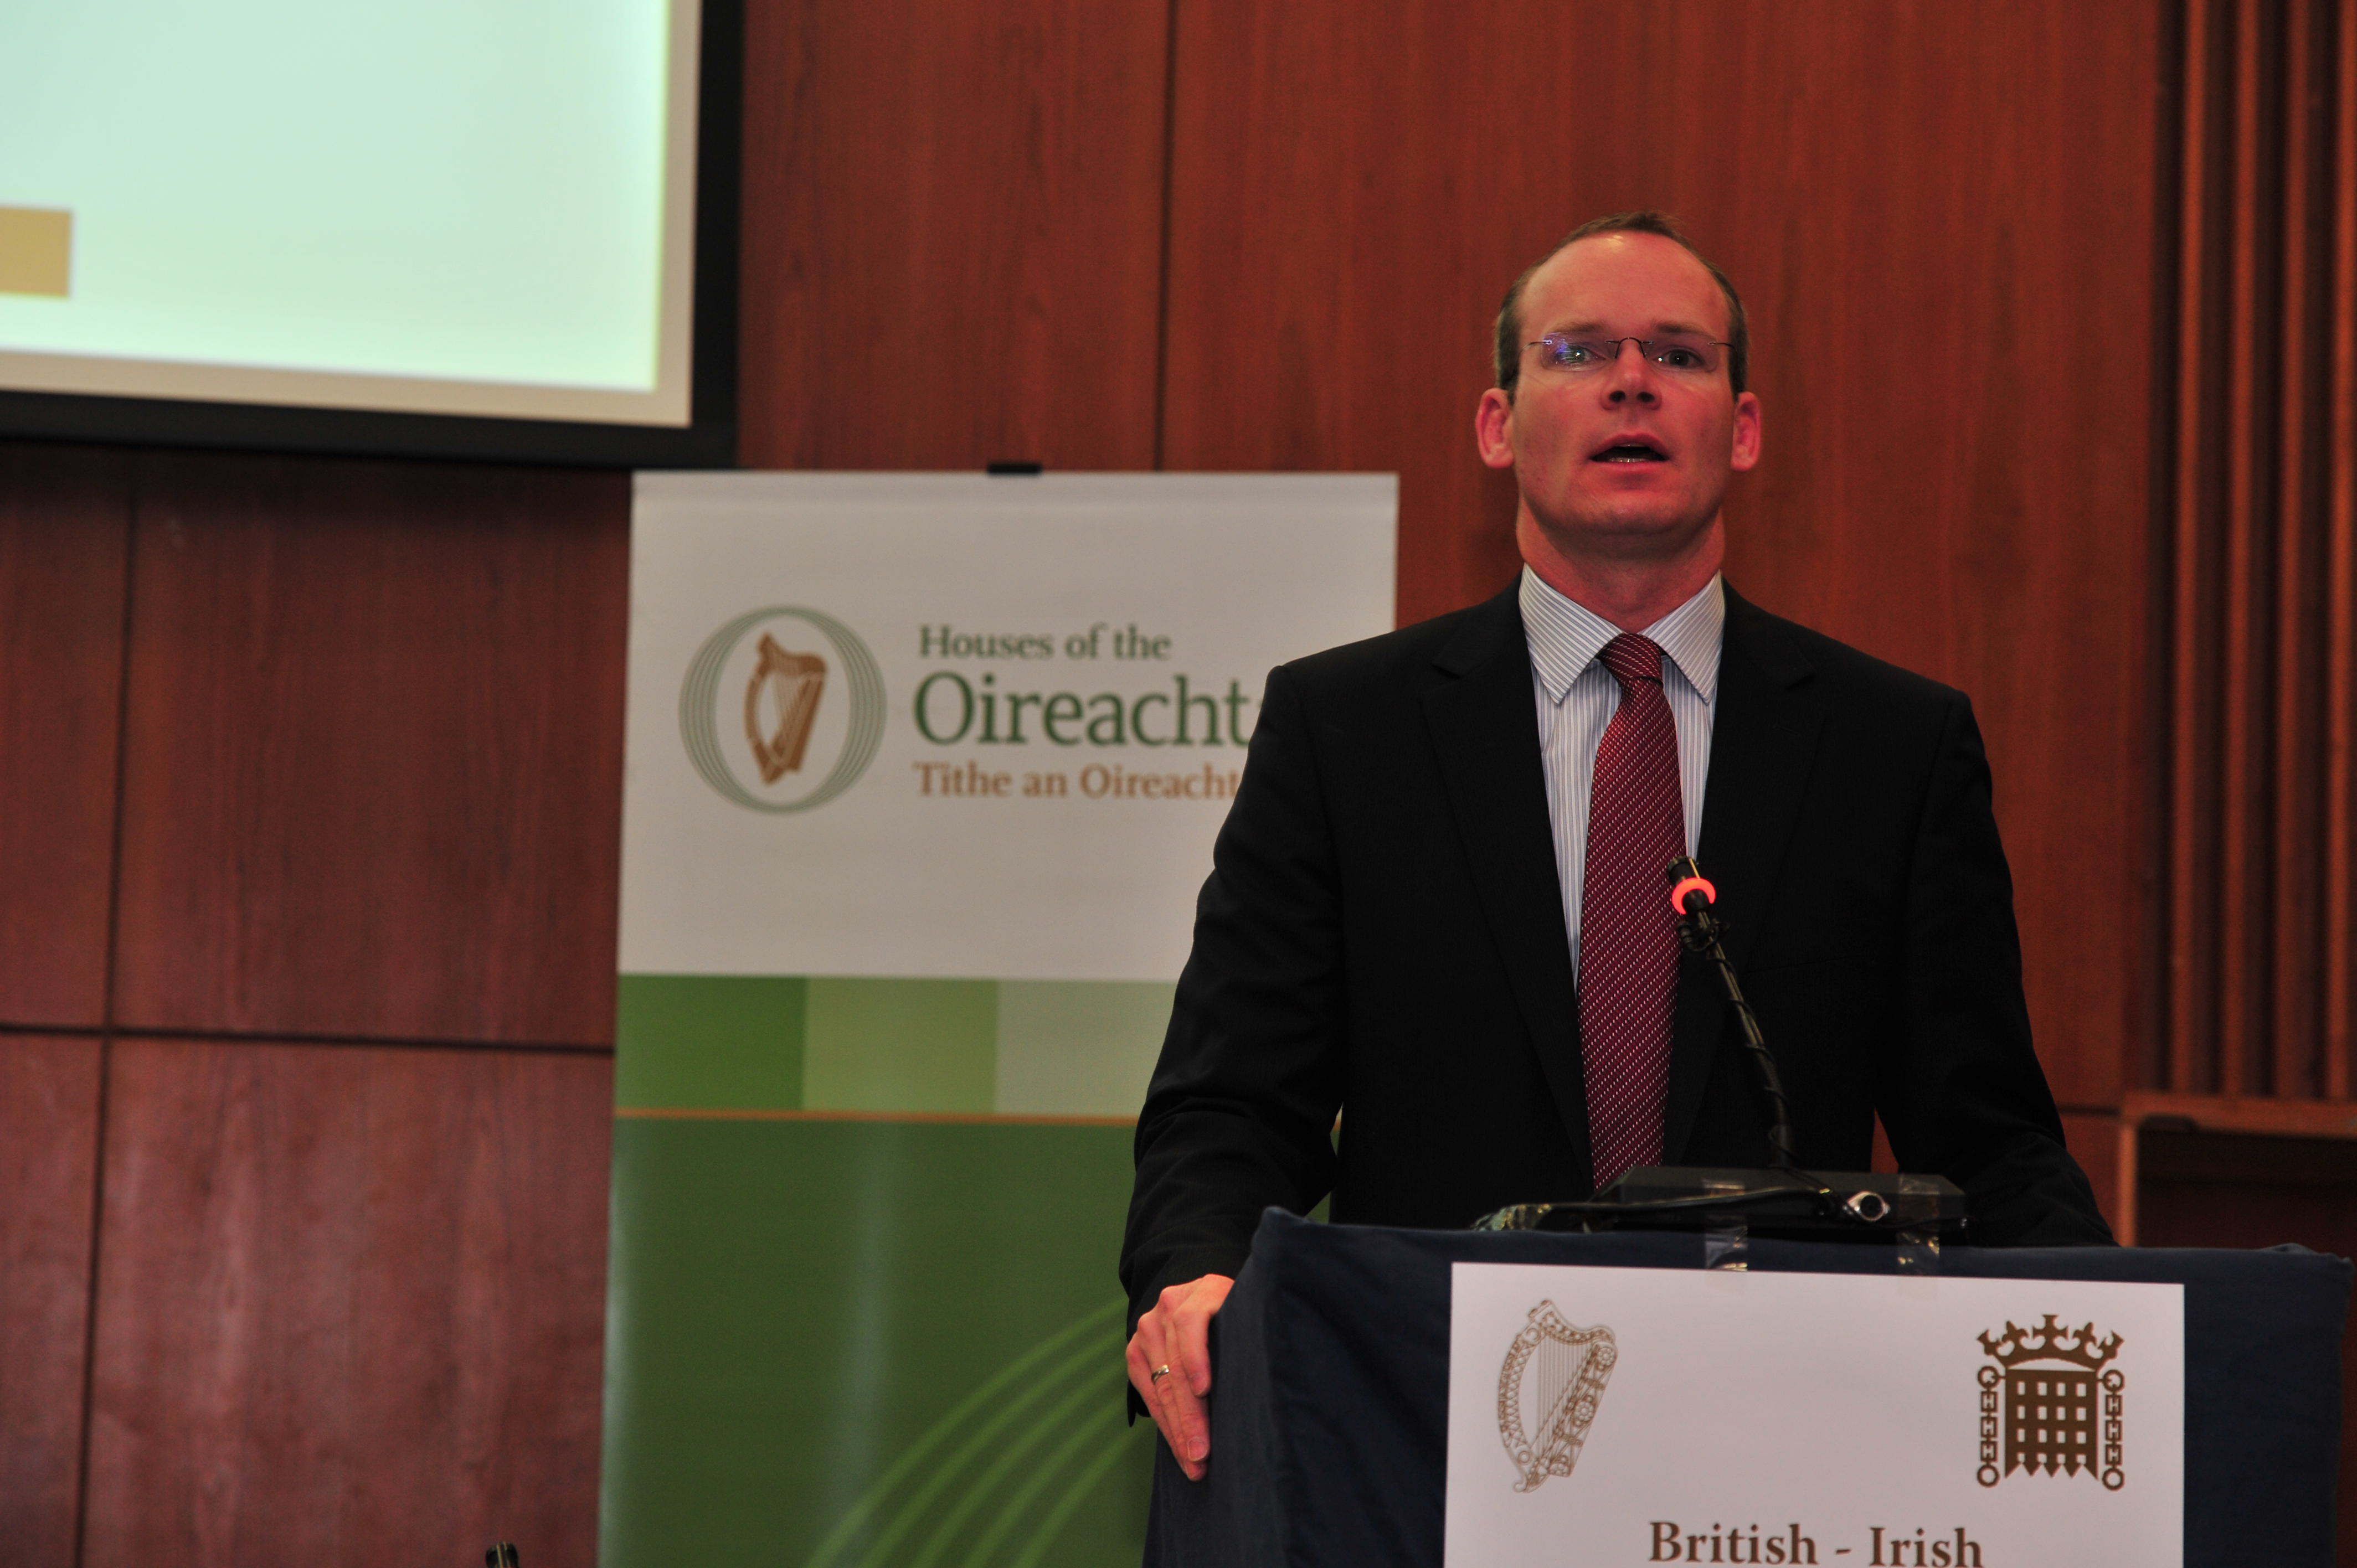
x=952, y=222
x=372, y=780
x=48, y=1141
x=2261, y=837
x=1945, y=236
x=350, y=1306
x=2095, y=1142
x=65, y=515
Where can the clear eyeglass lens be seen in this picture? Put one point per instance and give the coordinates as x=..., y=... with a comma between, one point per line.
x=1683, y=355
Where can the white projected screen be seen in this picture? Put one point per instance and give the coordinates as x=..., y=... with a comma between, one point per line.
x=470, y=207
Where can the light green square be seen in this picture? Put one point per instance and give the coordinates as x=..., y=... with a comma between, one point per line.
x=1079, y=1047
x=901, y=1044
x=709, y=1042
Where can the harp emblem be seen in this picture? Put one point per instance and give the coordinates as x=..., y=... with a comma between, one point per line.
x=1548, y=1390
x=781, y=702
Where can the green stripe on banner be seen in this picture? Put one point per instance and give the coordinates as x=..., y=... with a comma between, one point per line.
x=861, y=1344
x=1014, y=1048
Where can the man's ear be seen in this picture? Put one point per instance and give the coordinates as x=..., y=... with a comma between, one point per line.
x=1493, y=428
x=1747, y=434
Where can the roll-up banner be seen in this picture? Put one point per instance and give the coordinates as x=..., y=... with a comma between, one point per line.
x=924, y=773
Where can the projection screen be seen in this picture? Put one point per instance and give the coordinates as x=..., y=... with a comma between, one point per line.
x=266, y=219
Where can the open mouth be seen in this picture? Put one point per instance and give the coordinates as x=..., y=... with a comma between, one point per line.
x=1630, y=452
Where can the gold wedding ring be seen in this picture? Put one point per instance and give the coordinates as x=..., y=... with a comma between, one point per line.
x=1159, y=1373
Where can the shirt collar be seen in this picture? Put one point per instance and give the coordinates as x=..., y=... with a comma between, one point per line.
x=1565, y=637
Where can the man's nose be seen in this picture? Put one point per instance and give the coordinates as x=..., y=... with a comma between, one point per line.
x=1633, y=376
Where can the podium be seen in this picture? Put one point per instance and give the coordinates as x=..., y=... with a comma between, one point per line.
x=1330, y=1408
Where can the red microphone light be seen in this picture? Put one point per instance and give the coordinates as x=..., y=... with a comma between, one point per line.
x=1692, y=884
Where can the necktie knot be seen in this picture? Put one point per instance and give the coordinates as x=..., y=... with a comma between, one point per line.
x=1632, y=659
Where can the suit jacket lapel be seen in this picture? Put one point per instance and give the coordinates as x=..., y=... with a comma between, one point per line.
x=1763, y=742
x=1485, y=725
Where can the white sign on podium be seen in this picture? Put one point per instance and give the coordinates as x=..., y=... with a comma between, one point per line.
x=1623, y=1416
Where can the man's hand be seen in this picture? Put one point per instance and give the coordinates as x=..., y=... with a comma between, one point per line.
x=1172, y=1339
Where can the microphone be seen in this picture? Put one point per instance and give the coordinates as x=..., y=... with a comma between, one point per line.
x=1692, y=896
x=1783, y=1199
x=1690, y=892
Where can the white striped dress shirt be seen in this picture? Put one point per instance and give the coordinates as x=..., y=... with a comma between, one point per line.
x=1577, y=697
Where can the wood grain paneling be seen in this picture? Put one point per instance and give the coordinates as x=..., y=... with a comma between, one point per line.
x=48, y=1141
x=1945, y=237
x=372, y=780
x=2095, y=1143
x=2262, y=697
x=65, y=516
x=350, y=1305
x=952, y=222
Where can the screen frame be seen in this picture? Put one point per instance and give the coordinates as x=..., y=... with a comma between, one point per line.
x=707, y=441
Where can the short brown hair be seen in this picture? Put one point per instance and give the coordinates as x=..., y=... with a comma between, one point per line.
x=1643, y=222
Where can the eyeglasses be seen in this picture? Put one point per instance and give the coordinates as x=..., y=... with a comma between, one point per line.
x=1679, y=356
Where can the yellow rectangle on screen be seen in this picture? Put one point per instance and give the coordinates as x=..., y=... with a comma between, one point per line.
x=35, y=251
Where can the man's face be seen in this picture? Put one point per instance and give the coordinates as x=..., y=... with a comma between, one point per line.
x=1629, y=461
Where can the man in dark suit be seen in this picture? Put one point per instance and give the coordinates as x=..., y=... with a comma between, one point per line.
x=1437, y=906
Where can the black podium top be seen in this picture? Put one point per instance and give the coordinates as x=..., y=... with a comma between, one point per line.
x=1330, y=1412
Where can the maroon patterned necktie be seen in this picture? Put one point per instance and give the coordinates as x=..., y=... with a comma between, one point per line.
x=1628, y=935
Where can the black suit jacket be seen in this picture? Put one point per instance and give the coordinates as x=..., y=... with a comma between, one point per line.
x=1382, y=935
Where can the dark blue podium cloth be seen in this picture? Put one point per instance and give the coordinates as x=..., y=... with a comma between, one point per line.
x=1329, y=1410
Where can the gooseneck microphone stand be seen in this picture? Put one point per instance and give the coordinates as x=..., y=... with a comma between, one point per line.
x=1699, y=930
x=1780, y=1199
